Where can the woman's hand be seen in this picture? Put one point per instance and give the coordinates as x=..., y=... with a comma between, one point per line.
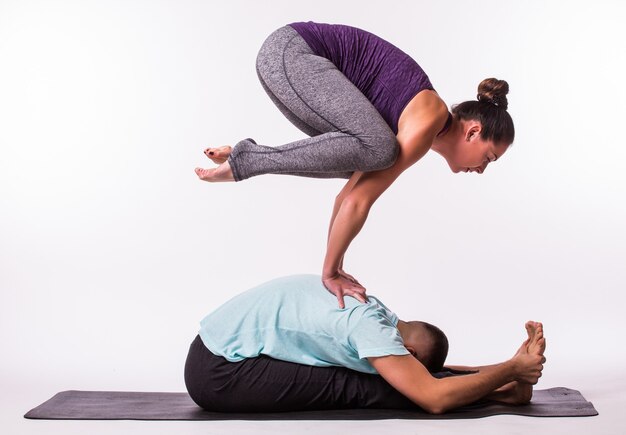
x=348, y=276
x=340, y=285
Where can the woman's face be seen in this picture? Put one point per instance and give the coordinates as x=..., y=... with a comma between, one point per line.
x=471, y=153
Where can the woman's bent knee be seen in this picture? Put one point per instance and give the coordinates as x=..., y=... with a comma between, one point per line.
x=383, y=154
x=390, y=154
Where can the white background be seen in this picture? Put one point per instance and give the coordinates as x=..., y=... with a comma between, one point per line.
x=111, y=250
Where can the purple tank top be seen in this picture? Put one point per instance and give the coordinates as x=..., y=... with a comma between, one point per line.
x=387, y=76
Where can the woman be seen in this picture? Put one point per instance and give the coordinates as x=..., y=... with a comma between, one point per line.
x=371, y=112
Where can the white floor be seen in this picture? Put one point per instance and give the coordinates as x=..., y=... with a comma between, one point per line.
x=604, y=389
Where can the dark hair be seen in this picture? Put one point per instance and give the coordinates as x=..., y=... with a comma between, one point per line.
x=490, y=111
x=439, y=348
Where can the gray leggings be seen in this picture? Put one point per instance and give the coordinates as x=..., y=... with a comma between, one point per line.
x=347, y=133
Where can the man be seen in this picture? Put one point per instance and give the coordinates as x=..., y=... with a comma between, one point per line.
x=285, y=346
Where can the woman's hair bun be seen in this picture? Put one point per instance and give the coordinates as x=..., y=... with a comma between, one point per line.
x=493, y=91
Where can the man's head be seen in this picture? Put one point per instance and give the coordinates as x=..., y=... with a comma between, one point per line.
x=425, y=342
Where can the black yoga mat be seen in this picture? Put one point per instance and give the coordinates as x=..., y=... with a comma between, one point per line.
x=114, y=405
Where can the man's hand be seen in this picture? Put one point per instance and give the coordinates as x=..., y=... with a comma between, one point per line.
x=528, y=366
x=341, y=284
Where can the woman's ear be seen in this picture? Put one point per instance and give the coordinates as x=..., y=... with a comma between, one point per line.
x=473, y=131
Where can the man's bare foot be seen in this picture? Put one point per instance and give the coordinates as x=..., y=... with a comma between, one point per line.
x=219, y=155
x=521, y=393
x=536, y=341
x=222, y=173
x=513, y=393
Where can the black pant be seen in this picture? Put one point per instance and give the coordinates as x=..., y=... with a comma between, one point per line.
x=265, y=384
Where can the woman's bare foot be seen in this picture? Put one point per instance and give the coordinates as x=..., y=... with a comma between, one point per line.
x=536, y=341
x=222, y=173
x=219, y=155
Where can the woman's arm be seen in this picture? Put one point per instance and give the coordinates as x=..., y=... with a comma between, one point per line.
x=351, y=211
x=418, y=126
x=338, y=200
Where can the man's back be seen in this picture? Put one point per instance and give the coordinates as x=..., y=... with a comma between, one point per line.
x=295, y=319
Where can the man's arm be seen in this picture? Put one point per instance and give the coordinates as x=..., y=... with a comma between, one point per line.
x=407, y=375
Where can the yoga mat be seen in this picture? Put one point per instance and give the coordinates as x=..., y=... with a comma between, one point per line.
x=114, y=405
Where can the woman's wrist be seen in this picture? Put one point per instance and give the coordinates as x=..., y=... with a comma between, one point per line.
x=330, y=268
x=329, y=273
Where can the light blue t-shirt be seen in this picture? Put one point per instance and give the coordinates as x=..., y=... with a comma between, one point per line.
x=296, y=319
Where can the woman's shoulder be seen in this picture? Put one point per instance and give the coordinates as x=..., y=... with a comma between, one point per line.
x=426, y=112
